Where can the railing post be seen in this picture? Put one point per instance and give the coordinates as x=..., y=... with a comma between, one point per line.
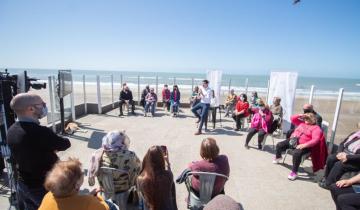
x=268, y=90
x=121, y=80
x=336, y=118
x=84, y=94
x=112, y=91
x=174, y=81
x=73, y=114
x=229, y=85
x=157, y=84
x=98, y=94
x=51, y=95
x=192, y=85
x=246, y=85
x=311, y=94
x=139, y=90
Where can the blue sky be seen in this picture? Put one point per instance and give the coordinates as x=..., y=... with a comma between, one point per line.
x=315, y=37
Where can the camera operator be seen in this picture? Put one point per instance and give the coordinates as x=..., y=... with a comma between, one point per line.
x=33, y=147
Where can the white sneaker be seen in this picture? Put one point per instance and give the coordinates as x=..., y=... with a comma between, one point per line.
x=292, y=176
x=276, y=160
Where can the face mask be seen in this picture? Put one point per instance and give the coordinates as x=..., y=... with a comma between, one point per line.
x=242, y=98
x=44, y=112
x=262, y=108
x=307, y=111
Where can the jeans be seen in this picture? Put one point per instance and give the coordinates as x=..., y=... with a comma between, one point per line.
x=112, y=206
x=203, y=114
x=174, y=107
x=150, y=105
x=345, y=198
x=30, y=197
x=297, y=153
x=335, y=169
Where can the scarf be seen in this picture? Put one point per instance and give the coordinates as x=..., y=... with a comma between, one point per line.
x=112, y=142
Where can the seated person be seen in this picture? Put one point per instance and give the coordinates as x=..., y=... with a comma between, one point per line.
x=144, y=93
x=277, y=112
x=150, y=102
x=254, y=99
x=126, y=97
x=211, y=162
x=63, y=183
x=346, y=159
x=241, y=110
x=230, y=102
x=260, y=123
x=307, y=108
x=175, y=100
x=194, y=99
x=345, y=193
x=309, y=138
x=155, y=182
x=166, y=97
x=115, y=153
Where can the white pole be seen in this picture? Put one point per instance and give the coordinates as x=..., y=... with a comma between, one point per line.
x=51, y=95
x=157, y=84
x=174, y=80
x=311, y=94
x=121, y=80
x=139, y=89
x=84, y=93
x=72, y=100
x=268, y=90
x=336, y=118
x=246, y=85
x=98, y=94
x=112, y=91
x=229, y=85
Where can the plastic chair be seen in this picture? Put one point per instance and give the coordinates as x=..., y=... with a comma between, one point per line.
x=207, y=181
x=106, y=175
x=324, y=128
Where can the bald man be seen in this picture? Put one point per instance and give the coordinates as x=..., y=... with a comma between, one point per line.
x=33, y=147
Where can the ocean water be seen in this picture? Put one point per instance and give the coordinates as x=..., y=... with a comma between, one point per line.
x=324, y=86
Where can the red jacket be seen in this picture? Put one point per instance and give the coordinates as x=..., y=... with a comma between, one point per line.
x=313, y=136
x=242, y=106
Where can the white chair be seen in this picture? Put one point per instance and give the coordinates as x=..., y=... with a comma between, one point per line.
x=106, y=175
x=324, y=128
x=207, y=181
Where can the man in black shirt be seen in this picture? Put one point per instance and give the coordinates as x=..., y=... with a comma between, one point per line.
x=126, y=97
x=33, y=147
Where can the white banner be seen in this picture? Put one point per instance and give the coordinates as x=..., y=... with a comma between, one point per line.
x=214, y=78
x=283, y=85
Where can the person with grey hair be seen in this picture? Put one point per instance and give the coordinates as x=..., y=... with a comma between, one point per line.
x=33, y=148
x=115, y=153
x=150, y=102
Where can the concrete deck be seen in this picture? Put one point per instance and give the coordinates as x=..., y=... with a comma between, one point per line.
x=254, y=181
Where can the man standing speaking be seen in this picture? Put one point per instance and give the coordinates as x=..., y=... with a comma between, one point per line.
x=33, y=147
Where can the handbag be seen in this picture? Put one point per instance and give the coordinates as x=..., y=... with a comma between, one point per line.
x=293, y=142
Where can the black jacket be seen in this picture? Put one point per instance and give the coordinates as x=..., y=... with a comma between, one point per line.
x=126, y=95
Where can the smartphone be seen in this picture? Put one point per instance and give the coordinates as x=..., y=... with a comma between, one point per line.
x=356, y=188
x=164, y=149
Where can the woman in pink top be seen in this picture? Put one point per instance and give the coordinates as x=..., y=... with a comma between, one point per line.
x=211, y=162
x=260, y=123
x=307, y=133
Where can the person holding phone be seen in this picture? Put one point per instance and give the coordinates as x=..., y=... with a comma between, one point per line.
x=204, y=105
x=155, y=182
x=346, y=194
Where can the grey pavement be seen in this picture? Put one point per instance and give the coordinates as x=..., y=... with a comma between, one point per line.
x=254, y=181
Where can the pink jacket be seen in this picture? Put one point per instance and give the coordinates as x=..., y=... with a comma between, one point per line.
x=259, y=122
x=309, y=134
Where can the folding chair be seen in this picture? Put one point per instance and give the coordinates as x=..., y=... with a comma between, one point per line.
x=207, y=181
